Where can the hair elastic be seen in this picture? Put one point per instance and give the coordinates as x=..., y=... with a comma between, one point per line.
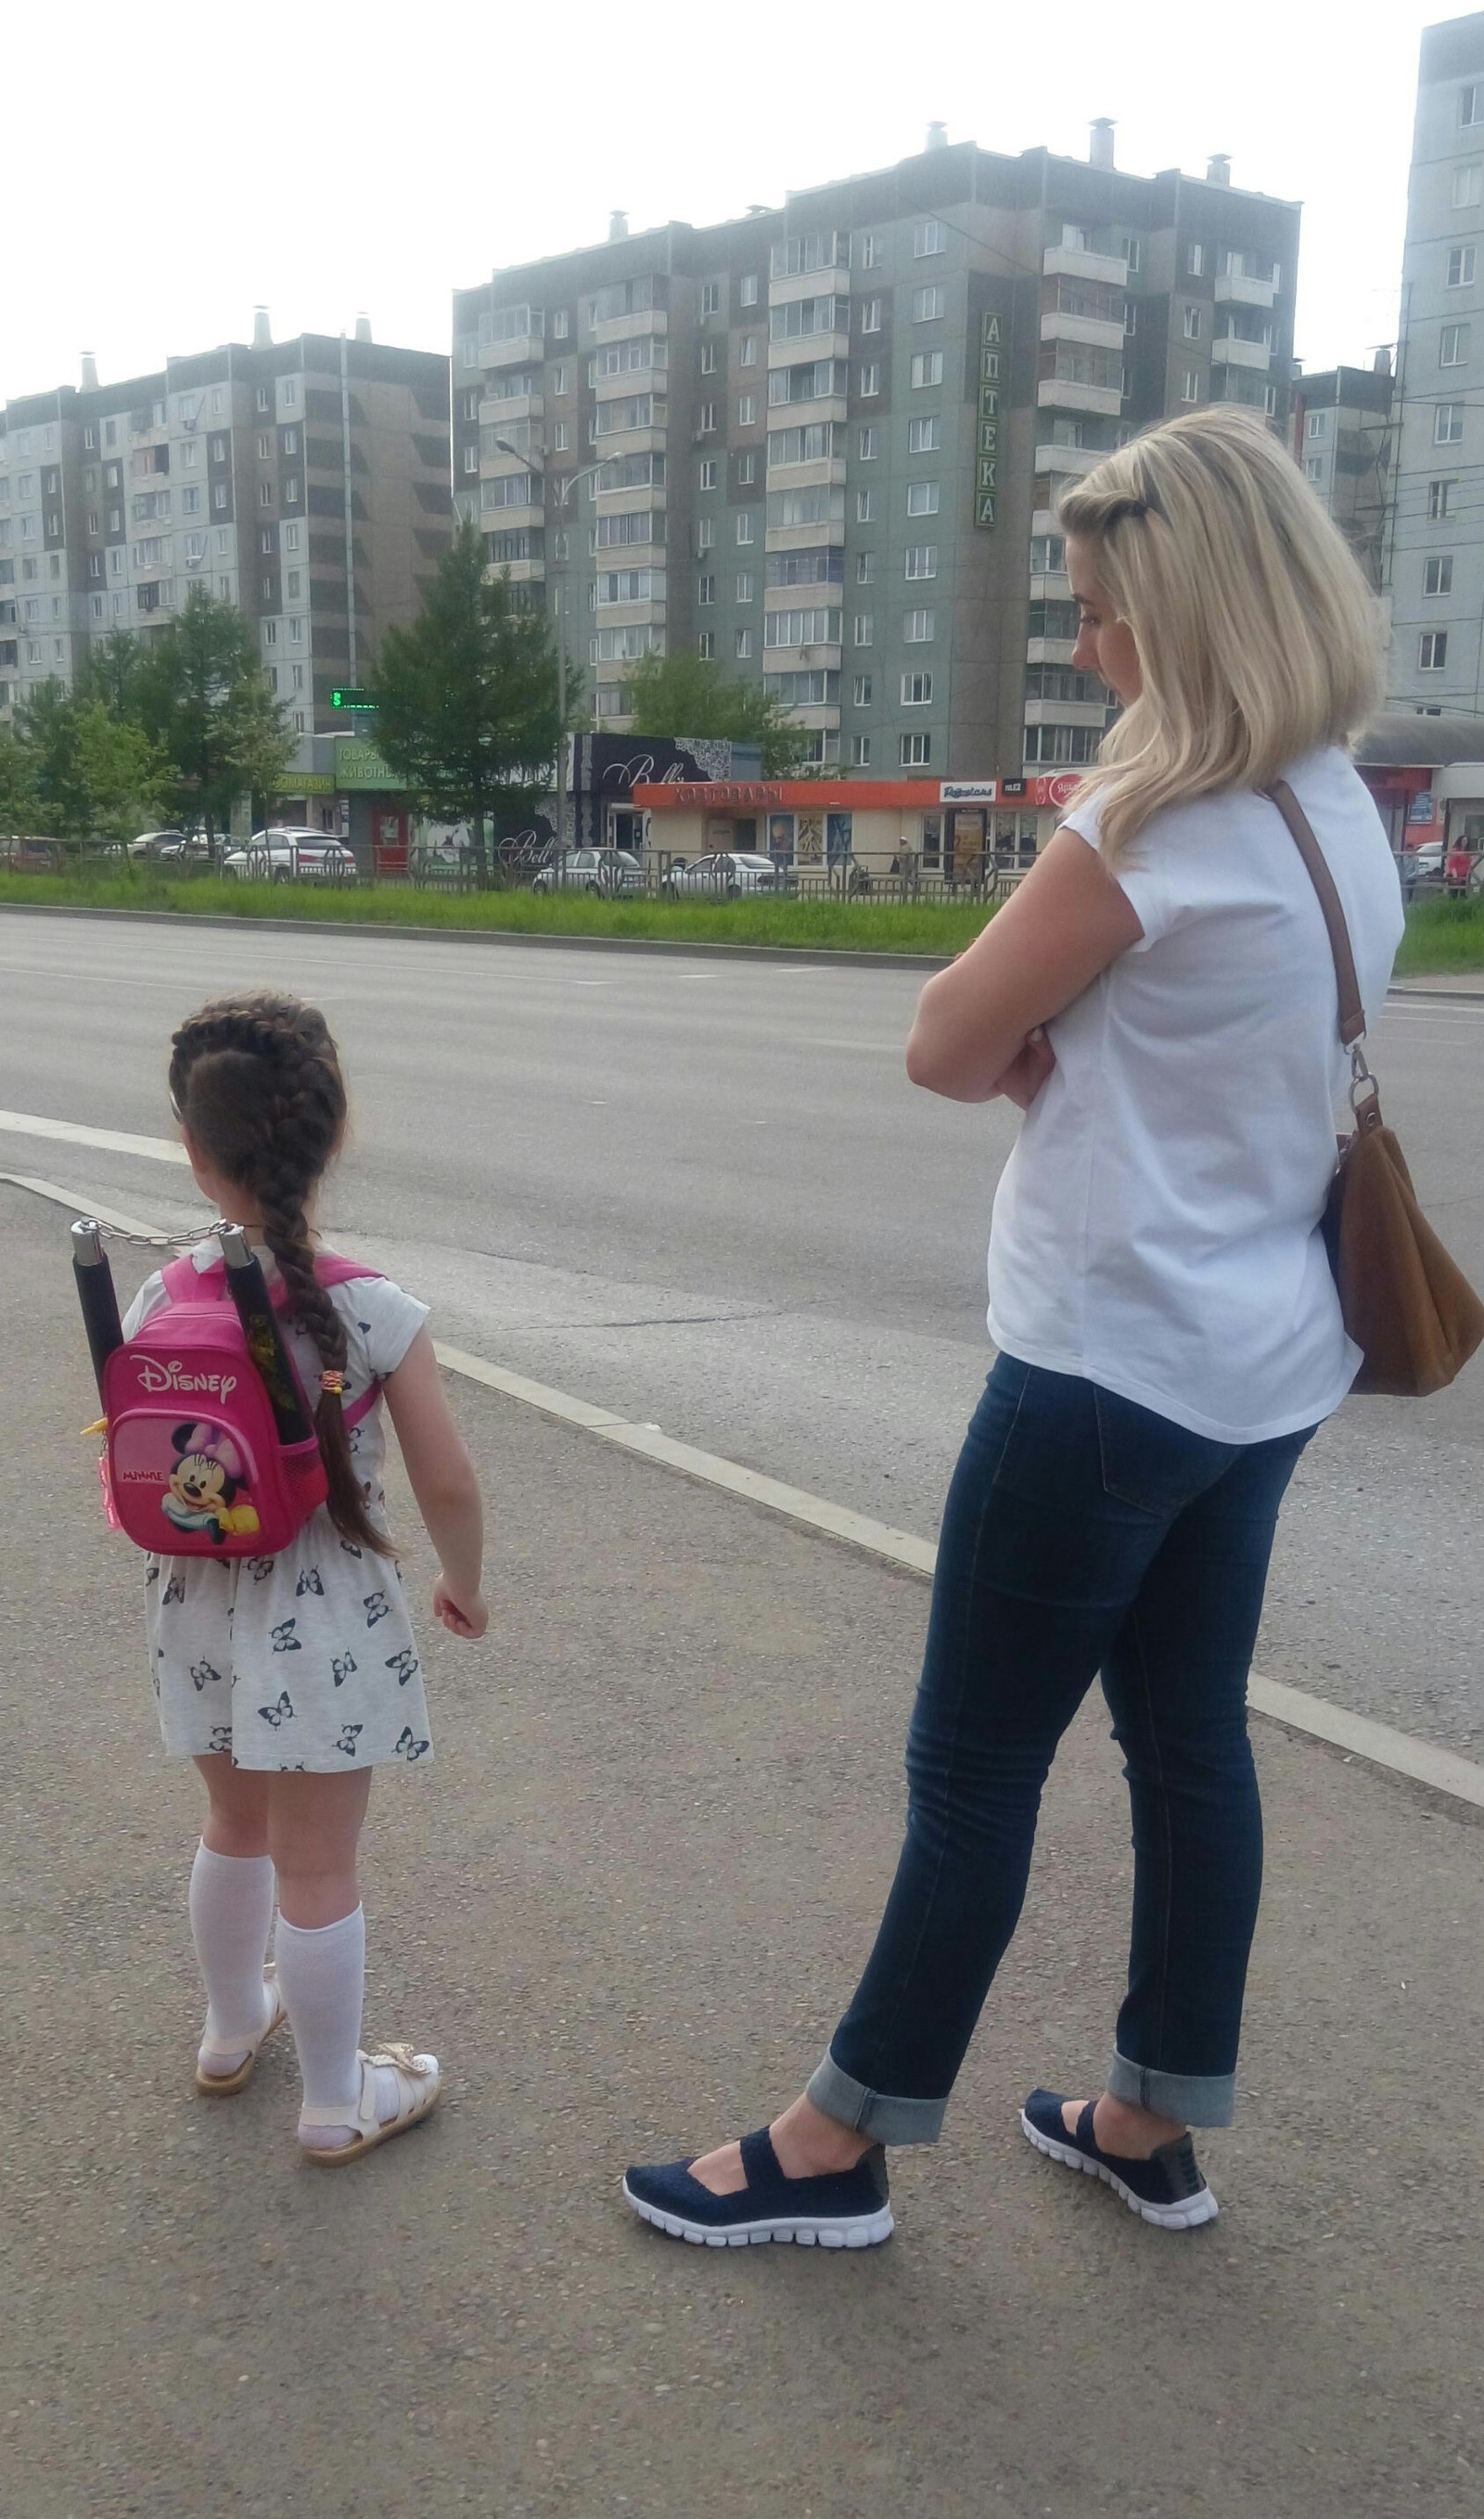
x=333, y=1383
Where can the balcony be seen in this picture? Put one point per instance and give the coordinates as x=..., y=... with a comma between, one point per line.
x=1050, y=651
x=631, y=380
x=1055, y=587
x=1067, y=713
x=1069, y=459
x=1234, y=289
x=502, y=412
x=1061, y=393
x=816, y=658
x=804, y=415
x=1069, y=262
x=1236, y=353
x=823, y=720
x=496, y=460
x=520, y=572
x=631, y=616
x=629, y=326
x=508, y=520
x=832, y=278
x=786, y=538
x=521, y=350
x=820, y=470
x=626, y=499
x=1088, y=329
x=798, y=351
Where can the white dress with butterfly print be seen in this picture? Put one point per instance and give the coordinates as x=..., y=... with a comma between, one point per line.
x=306, y=1660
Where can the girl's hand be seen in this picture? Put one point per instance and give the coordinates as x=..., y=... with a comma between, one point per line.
x=468, y=1617
x=1028, y=1070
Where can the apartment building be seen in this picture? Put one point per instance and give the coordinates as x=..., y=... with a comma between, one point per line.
x=823, y=444
x=306, y=481
x=1436, y=567
x=1344, y=436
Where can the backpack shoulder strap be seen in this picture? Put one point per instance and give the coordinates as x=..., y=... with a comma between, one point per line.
x=183, y=1281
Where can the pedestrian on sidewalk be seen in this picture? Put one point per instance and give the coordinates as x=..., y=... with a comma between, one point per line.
x=1158, y=998
x=289, y=1678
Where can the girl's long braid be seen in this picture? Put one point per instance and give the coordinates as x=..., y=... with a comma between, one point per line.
x=256, y=1080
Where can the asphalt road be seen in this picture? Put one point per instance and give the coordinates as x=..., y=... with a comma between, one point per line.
x=704, y=1194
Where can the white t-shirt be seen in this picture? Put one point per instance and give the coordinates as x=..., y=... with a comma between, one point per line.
x=1157, y=1226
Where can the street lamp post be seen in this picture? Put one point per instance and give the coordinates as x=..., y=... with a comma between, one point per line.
x=562, y=485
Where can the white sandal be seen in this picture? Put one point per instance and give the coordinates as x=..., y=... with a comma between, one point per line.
x=419, y=2083
x=223, y=2086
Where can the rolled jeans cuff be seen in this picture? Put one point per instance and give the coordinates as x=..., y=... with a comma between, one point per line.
x=1191, y=2099
x=886, y=2119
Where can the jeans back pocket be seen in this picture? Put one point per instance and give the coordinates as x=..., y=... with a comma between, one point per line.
x=1150, y=1460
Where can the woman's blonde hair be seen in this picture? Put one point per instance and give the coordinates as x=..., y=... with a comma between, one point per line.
x=1258, y=638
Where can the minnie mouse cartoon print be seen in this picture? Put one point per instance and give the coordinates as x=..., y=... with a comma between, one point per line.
x=206, y=1479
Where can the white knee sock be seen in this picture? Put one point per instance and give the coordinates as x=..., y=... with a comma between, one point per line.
x=231, y=1910
x=321, y=1978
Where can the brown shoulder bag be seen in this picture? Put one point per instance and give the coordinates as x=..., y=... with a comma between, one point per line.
x=1408, y=1305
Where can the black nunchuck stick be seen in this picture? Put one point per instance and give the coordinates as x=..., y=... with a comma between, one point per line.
x=95, y=1292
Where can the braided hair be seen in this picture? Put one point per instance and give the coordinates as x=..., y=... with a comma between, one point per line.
x=255, y=1079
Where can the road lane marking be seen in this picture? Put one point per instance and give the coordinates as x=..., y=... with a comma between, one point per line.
x=1318, y=1718
x=112, y=1141
x=81, y=1205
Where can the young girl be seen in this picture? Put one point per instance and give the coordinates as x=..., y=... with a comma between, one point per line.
x=288, y=1678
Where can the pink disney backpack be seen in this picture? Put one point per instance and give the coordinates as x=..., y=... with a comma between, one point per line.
x=211, y=1445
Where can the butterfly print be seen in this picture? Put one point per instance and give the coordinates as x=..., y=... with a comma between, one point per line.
x=220, y=1741
x=202, y=1672
x=259, y=1568
x=365, y=1328
x=151, y=1571
x=350, y=1548
x=174, y=1591
x=309, y=1581
x=408, y=1747
x=292, y=1767
x=350, y=1735
x=283, y=1638
x=341, y=1668
x=283, y=1712
x=377, y=1606
x=405, y=1664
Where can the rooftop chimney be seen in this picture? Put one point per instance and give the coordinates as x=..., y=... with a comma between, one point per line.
x=363, y=328
x=938, y=135
x=1218, y=170
x=89, y=372
x=262, y=330
x=618, y=226
x=1100, y=153
x=1381, y=363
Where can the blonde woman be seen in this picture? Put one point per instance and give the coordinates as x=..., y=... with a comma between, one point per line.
x=1160, y=998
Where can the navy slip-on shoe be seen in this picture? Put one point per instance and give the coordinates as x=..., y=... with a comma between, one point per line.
x=848, y=2210
x=1167, y=2189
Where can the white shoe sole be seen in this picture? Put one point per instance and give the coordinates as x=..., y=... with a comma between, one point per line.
x=864, y=2231
x=1187, y=2215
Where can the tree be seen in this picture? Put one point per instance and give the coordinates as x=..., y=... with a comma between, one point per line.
x=466, y=698
x=199, y=691
x=111, y=672
x=18, y=799
x=88, y=773
x=682, y=695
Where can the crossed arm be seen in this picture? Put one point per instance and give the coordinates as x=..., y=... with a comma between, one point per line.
x=977, y=1032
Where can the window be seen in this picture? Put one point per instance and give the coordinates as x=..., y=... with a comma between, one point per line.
x=747, y=471
x=296, y=585
x=870, y=377
x=471, y=459
x=917, y=627
x=1189, y=384
x=706, y=645
x=562, y=377
x=1468, y=186
x=921, y=559
x=290, y=393
x=265, y=494
x=747, y=411
x=921, y=498
x=1314, y=468
x=1432, y=652
x=1471, y=104
x=707, y=477
x=813, y=626
x=290, y=441
x=862, y=688
x=562, y=325
x=914, y=751
x=190, y=500
x=707, y=420
x=706, y=533
x=1130, y=317
x=711, y=296
x=927, y=367
x=1439, y=495
x=270, y=634
x=862, y=629
x=267, y=540
x=744, y=646
x=861, y=751
x=930, y=235
x=296, y=632
x=1194, y=261
x=870, y=315
x=865, y=506
x=1316, y=423
x=1048, y=554
x=560, y=438
x=264, y=398
x=1461, y=266
x=747, y=352
x=744, y=586
x=1448, y=425
x=219, y=496
x=1437, y=574
x=290, y=537
x=1131, y=247
x=916, y=690
x=1191, y=321
x=94, y=527
x=815, y=688
x=872, y=254
x=747, y=289
x=865, y=568
x=927, y=304
x=1453, y=345
x=706, y=590
x=925, y=437
x=746, y=528
x=708, y=358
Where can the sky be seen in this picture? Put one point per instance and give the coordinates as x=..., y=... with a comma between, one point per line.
x=330, y=160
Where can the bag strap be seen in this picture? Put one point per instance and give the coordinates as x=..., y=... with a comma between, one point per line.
x=185, y=1283
x=1352, y=1014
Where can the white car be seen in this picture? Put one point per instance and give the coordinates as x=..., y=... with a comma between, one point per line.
x=603, y=870
x=728, y=872
x=291, y=855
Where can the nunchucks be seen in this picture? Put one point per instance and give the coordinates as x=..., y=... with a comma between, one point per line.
x=95, y=1292
x=248, y=1288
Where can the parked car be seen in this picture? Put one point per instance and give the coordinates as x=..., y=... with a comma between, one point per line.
x=291, y=855
x=610, y=871
x=173, y=847
x=728, y=872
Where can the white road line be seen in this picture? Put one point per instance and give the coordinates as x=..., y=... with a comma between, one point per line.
x=81, y=1205
x=1317, y=1717
x=112, y=1141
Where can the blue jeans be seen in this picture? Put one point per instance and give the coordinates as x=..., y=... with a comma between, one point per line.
x=1082, y=1533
